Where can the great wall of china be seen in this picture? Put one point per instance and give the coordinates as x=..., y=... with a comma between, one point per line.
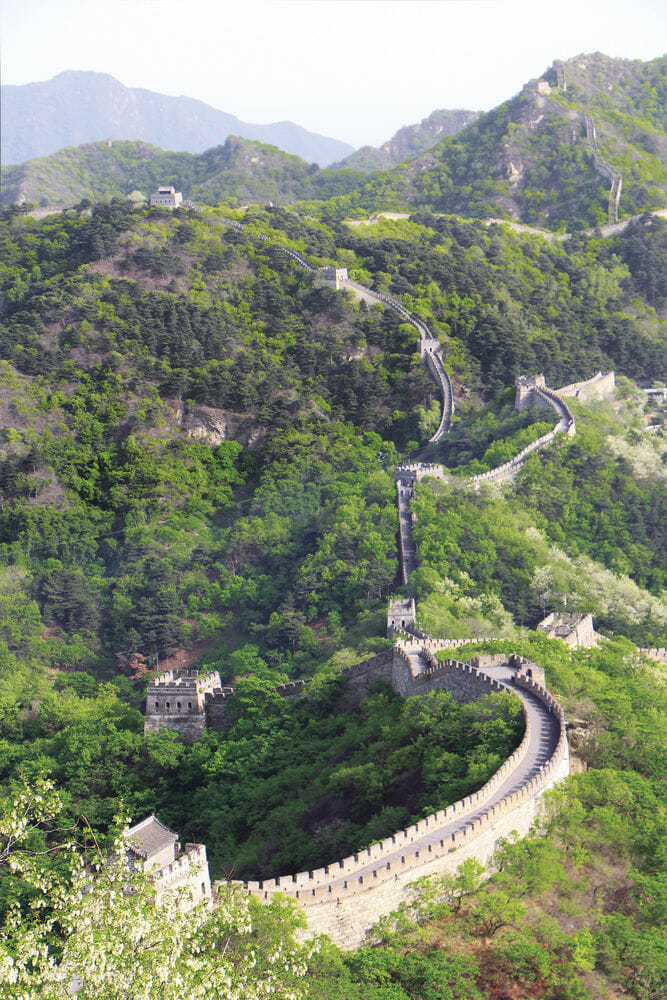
x=345, y=898
x=605, y=170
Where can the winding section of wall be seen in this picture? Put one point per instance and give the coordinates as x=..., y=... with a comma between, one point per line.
x=410, y=473
x=429, y=346
x=346, y=898
x=607, y=171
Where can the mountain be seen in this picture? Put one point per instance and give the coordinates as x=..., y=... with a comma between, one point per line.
x=410, y=141
x=575, y=149
x=570, y=150
x=77, y=107
x=238, y=171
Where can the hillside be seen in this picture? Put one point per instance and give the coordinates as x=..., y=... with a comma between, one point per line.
x=409, y=141
x=197, y=465
x=549, y=156
x=141, y=341
x=81, y=107
x=236, y=172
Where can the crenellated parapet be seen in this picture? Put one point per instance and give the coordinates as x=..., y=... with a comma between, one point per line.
x=189, y=703
x=602, y=385
x=345, y=898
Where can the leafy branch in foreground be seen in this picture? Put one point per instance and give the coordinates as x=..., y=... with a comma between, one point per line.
x=98, y=931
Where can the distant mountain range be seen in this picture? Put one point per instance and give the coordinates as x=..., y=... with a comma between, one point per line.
x=573, y=149
x=77, y=107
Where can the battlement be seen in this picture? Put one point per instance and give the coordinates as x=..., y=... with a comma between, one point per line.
x=381, y=876
x=576, y=630
x=170, y=866
x=176, y=700
x=601, y=385
x=334, y=277
x=181, y=679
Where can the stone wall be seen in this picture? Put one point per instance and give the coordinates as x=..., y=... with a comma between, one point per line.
x=438, y=373
x=184, y=702
x=189, y=873
x=429, y=347
x=408, y=552
x=346, y=898
x=601, y=385
x=509, y=469
x=530, y=391
x=655, y=653
x=575, y=630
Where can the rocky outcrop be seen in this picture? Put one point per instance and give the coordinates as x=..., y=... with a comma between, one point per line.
x=211, y=425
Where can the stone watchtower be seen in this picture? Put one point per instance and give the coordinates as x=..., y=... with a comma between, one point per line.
x=166, y=197
x=525, y=392
x=176, y=700
x=334, y=277
x=170, y=865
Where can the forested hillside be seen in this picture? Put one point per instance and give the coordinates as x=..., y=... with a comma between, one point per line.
x=197, y=466
x=410, y=141
x=178, y=387
x=237, y=172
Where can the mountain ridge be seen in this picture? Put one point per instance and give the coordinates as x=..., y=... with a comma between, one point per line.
x=76, y=106
x=582, y=146
x=547, y=156
x=240, y=170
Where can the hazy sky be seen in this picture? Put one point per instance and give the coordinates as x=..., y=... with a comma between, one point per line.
x=353, y=69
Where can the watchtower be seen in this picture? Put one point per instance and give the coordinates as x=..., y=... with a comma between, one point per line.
x=176, y=700
x=525, y=392
x=332, y=276
x=166, y=196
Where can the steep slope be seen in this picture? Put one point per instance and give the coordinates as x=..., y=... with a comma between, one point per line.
x=559, y=154
x=410, y=141
x=77, y=107
x=240, y=170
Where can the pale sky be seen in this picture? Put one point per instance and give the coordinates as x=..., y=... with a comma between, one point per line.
x=352, y=69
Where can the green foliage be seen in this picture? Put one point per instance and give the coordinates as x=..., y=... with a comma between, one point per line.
x=529, y=158
x=581, y=525
x=238, y=171
x=198, y=456
x=97, y=932
x=289, y=786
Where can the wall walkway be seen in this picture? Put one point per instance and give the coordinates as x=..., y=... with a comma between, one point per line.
x=429, y=346
x=605, y=170
x=346, y=898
